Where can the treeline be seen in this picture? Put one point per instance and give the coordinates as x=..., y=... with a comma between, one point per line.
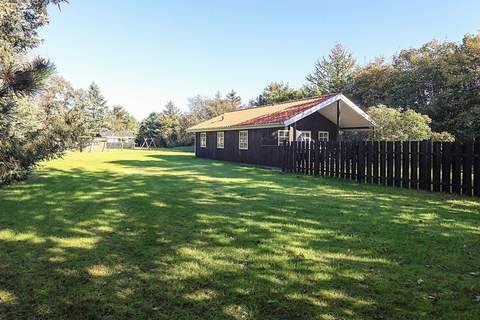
x=41, y=114
x=430, y=92
x=440, y=80
x=169, y=127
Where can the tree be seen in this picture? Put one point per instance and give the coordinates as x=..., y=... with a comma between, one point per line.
x=373, y=84
x=19, y=22
x=438, y=79
x=121, y=121
x=202, y=108
x=25, y=135
x=97, y=110
x=277, y=92
x=168, y=128
x=234, y=99
x=333, y=74
x=397, y=125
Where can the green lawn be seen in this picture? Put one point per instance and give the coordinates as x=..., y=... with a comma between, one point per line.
x=162, y=235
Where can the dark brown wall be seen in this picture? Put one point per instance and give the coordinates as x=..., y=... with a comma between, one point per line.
x=316, y=122
x=263, y=146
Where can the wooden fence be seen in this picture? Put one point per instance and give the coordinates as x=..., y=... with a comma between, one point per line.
x=433, y=166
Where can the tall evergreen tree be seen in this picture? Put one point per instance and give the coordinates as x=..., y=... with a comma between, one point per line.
x=333, y=74
x=234, y=99
x=97, y=110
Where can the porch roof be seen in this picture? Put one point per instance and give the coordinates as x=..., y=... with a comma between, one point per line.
x=285, y=114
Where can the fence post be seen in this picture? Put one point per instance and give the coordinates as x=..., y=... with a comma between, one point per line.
x=467, y=168
x=347, y=160
x=428, y=163
x=456, y=168
x=361, y=162
x=375, y=161
x=446, y=166
x=383, y=160
x=390, y=163
x=414, y=165
x=436, y=166
x=398, y=163
x=421, y=165
x=354, y=166
x=369, y=161
x=476, y=169
x=294, y=156
x=406, y=164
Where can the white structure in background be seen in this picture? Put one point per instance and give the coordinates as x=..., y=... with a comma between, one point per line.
x=112, y=140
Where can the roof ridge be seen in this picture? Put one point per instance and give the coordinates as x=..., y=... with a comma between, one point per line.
x=284, y=102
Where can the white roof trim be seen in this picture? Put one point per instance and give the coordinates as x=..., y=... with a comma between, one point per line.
x=313, y=109
x=325, y=104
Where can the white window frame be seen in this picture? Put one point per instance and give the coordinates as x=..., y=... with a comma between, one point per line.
x=243, y=145
x=285, y=135
x=300, y=132
x=220, y=140
x=203, y=139
x=324, y=134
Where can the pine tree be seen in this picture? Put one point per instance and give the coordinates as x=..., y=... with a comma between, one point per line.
x=234, y=99
x=333, y=74
x=97, y=110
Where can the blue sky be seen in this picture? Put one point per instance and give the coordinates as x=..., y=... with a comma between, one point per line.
x=144, y=53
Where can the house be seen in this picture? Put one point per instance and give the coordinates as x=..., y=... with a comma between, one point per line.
x=256, y=135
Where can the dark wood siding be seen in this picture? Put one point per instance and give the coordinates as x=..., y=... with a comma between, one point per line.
x=316, y=122
x=263, y=146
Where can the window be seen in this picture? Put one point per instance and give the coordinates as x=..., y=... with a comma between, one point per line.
x=243, y=140
x=323, y=136
x=220, y=140
x=283, y=137
x=304, y=136
x=203, y=139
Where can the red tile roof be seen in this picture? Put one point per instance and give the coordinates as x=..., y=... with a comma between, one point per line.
x=283, y=115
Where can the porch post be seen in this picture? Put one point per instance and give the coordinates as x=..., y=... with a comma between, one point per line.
x=294, y=131
x=338, y=120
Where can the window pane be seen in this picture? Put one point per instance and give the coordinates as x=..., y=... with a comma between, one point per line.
x=203, y=139
x=283, y=136
x=243, y=140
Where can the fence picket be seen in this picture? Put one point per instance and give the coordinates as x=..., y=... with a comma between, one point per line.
x=436, y=166
x=428, y=164
x=456, y=168
x=413, y=164
x=406, y=164
x=389, y=176
x=467, y=151
x=383, y=160
x=361, y=162
x=375, y=161
x=446, y=167
x=476, y=170
x=369, y=161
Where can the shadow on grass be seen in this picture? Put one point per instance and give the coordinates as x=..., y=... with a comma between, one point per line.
x=169, y=236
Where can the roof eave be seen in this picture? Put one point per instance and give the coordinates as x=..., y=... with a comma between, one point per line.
x=244, y=127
